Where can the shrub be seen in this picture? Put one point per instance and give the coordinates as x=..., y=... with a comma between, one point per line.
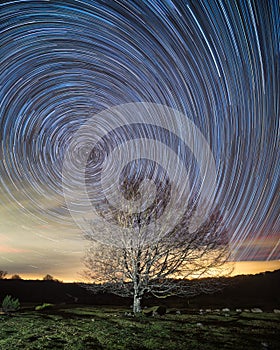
x=9, y=304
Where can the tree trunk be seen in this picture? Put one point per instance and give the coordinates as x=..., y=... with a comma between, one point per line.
x=136, y=304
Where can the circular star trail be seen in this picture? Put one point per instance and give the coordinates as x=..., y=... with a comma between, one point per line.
x=216, y=62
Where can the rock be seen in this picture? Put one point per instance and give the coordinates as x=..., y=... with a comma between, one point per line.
x=45, y=306
x=276, y=311
x=147, y=312
x=155, y=310
x=208, y=310
x=178, y=312
x=217, y=310
x=238, y=310
x=247, y=310
x=226, y=309
x=256, y=310
x=159, y=310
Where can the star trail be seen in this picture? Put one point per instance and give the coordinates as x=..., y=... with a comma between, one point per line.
x=62, y=62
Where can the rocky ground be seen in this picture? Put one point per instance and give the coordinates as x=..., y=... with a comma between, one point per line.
x=88, y=327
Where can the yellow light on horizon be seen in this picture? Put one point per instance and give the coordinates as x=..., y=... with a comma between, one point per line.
x=240, y=268
x=254, y=267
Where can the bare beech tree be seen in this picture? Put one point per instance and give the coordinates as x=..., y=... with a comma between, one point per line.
x=160, y=267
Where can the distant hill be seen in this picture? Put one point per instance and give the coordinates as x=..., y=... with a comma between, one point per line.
x=261, y=290
x=30, y=291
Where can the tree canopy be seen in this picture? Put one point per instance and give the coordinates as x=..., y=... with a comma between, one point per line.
x=162, y=266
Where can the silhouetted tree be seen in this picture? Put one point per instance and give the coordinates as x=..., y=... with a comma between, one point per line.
x=48, y=278
x=3, y=274
x=16, y=277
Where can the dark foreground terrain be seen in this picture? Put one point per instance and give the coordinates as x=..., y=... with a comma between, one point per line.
x=88, y=327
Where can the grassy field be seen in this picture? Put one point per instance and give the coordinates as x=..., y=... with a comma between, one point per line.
x=81, y=328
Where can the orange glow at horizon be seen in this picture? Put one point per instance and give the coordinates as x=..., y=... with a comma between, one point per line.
x=254, y=267
x=240, y=268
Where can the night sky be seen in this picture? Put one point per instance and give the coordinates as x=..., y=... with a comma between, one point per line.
x=62, y=62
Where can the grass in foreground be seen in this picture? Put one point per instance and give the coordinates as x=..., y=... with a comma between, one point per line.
x=82, y=328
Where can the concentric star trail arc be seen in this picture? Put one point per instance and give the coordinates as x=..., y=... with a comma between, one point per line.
x=217, y=62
